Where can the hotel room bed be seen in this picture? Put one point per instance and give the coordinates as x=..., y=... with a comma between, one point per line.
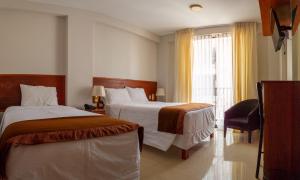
x=132, y=100
x=198, y=125
x=109, y=157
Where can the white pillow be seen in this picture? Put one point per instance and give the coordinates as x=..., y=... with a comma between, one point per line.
x=116, y=96
x=38, y=96
x=137, y=94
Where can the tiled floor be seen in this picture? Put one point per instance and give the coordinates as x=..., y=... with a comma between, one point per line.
x=232, y=159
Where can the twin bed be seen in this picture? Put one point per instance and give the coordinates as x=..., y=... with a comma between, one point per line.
x=109, y=157
x=100, y=154
x=198, y=125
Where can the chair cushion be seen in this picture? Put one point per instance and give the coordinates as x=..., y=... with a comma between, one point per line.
x=238, y=120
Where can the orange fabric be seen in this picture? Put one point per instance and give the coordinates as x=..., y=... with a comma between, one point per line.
x=53, y=130
x=183, y=65
x=171, y=118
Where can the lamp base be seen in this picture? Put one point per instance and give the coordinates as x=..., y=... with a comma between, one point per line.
x=100, y=104
x=98, y=101
x=160, y=98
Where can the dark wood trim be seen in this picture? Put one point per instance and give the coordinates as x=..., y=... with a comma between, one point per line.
x=278, y=82
x=282, y=8
x=10, y=93
x=295, y=3
x=149, y=86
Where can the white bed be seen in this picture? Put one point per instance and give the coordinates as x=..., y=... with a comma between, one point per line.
x=112, y=157
x=198, y=125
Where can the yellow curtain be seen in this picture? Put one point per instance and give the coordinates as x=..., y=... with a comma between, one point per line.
x=183, y=65
x=245, y=61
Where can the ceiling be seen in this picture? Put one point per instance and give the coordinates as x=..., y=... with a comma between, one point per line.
x=165, y=16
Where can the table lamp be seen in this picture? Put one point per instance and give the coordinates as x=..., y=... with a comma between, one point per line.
x=97, y=93
x=160, y=92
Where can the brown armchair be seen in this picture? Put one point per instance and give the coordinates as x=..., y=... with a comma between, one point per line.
x=243, y=116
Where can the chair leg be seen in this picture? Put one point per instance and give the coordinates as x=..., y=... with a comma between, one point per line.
x=212, y=135
x=225, y=130
x=249, y=136
x=185, y=154
x=259, y=151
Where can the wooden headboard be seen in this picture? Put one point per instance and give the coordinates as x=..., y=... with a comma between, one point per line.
x=149, y=86
x=10, y=93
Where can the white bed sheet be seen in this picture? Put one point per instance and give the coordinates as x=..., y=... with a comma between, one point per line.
x=112, y=157
x=198, y=125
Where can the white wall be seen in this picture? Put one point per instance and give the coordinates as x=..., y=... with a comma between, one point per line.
x=166, y=65
x=46, y=39
x=80, y=61
x=32, y=43
x=123, y=54
x=269, y=61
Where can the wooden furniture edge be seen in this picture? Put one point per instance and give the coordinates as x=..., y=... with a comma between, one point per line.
x=150, y=87
x=10, y=94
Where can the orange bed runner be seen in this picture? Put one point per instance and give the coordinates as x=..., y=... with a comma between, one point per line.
x=171, y=118
x=63, y=129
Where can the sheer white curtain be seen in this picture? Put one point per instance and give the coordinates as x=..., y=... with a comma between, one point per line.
x=203, y=70
x=224, y=84
x=212, y=72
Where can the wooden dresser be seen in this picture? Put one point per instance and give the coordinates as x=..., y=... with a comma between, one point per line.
x=282, y=130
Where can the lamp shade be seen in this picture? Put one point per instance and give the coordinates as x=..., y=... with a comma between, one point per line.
x=98, y=91
x=160, y=92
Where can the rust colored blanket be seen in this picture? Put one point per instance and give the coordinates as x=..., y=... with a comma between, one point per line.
x=171, y=118
x=63, y=129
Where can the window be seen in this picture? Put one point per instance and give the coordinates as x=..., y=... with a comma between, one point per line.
x=212, y=72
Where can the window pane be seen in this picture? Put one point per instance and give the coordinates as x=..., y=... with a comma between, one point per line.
x=212, y=72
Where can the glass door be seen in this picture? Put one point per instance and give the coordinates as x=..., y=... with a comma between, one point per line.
x=212, y=72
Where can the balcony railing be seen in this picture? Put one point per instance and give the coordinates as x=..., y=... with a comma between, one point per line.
x=222, y=98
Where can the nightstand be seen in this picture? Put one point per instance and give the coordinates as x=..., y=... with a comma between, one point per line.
x=98, y=111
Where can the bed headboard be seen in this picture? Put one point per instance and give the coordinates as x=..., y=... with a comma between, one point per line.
x=10, y=93
x=149, y=86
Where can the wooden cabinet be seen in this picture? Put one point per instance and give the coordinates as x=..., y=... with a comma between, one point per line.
x=284, y=12
x=282, y=130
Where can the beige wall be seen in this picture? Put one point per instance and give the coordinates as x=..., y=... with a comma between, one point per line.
x=269, y=61
x=123, y=54
x=32, y=43
x=46, y=39
x=80, y=60
x=165, y=65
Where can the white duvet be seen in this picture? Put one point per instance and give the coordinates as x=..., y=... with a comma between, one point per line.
x=107, y=158
x=21, y=113
x=198, y=125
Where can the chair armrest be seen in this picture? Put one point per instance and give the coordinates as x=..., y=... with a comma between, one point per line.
x=253, y=116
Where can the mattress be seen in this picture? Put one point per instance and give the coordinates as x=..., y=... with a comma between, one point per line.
x=198, y=125
x=110, y=157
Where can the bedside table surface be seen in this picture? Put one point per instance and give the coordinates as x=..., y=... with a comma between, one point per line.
x=98, y=111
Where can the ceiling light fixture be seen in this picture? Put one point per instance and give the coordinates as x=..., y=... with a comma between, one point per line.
x=196, y=7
